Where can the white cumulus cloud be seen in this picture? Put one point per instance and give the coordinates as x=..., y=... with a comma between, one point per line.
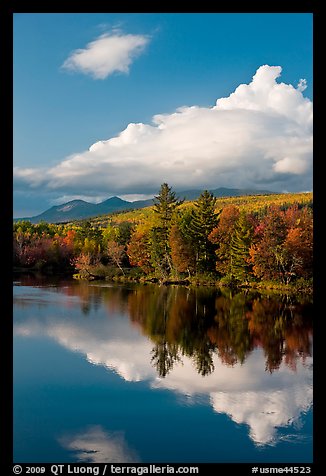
x=302, y=85
x=290, y=165
x=110, y=53
x=260, y=136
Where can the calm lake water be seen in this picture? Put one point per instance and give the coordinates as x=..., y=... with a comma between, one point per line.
x=135, y=373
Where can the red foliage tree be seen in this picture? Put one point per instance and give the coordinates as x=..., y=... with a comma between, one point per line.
x=283, y=245
x=138, y=250
x=182, y=253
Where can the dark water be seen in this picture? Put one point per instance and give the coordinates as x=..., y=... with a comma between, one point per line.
x=107, y=373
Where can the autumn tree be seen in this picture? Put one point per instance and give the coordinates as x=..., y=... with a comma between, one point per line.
x=85, y=263
x=88, y=242
x=115, y=238
x=221, y=236
x=282, y=247
x=118, y=232
x=116, y=253
x=139, y=250
x=21, y=238
x=43, y=246
x=299, y=241
x=182, y=253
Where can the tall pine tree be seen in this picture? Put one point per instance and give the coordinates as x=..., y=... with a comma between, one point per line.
x=239, y=249
x=165, y=205
x=203, y=220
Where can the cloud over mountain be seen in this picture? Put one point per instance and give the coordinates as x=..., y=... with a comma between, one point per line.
x=260, y=135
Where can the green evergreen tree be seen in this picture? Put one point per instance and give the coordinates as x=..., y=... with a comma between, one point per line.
x=239, y=248
x=90, y=231
x=203, y=220
x=165, y=205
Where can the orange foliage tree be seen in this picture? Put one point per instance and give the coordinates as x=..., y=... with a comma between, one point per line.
x=282, y=248
x=222, y=237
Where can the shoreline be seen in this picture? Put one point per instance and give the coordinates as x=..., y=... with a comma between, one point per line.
x=301, y=287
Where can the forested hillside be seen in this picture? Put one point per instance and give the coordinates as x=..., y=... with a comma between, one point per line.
x=232, y=241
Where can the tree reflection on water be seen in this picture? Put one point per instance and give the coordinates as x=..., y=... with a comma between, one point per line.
x=201, y=322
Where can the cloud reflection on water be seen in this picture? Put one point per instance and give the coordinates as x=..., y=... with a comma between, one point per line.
x=246, y=392
x=94, y=445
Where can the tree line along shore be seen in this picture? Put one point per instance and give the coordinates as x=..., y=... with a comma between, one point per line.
x=257, y=241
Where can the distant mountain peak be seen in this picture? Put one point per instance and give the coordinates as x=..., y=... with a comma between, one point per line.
x=69, y=205
x=79, y=209
x=114, y=199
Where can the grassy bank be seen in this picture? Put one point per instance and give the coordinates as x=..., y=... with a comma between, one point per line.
x=133, y=275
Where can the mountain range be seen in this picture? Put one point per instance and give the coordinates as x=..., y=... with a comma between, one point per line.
x=80, y=209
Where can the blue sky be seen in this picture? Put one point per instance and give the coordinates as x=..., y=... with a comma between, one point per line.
x=84, y=78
